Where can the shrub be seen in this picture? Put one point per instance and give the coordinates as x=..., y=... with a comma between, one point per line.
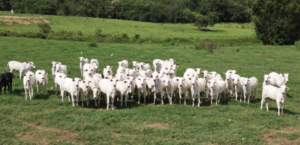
x=137, y=36
x=211, y=46
x=200, y=46
x=44, y=28
x=93, y=44
x=124, y=36
x=98, y=32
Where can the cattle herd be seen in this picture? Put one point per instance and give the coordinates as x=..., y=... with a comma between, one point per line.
x=141, y=80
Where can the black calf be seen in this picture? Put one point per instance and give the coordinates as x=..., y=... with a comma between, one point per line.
x=6, y=80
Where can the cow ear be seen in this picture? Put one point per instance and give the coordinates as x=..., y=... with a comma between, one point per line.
x=104, y=67
x=24, y=74
x=144, y=79
x=89, y=81
x=73, y=80
x=183, y=79
x=83, y=81
x=287, y=88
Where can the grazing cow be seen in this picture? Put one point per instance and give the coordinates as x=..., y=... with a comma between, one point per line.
x=22, y=67
x=274, y=93
x=28, y=82
x=6, y=79
x=82, y=62
x=41, y=77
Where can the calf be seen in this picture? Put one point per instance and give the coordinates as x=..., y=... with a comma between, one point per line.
x=274, y=93
x=6, y=79
x=22, y=67
x=69, y=85
x=41, y=77
x=28, y=82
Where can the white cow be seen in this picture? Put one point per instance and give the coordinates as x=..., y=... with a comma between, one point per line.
x=58, y=80
x=123, y=63
x=232, y=81
x=141, y=66
x=108, y=87
x=123, y=88
x=276, y=79
x=107, y=71
x=229, y=83
x=141, y=87
x=144, y=73
x=92, y=86
x=250, y=86
x=41, y=77
x=216, y=87
x=69, y=85
x=198, y=85
x=94, y=65
x=168, y=88
x=88, y=70
x=274, y=93
x=158, y=64
x=60, y=68
x=53, y=69
x=239, y=87
x=82, y=62
x=28, y=82
x=182, y=89
x=22, y=67
x=193, y=72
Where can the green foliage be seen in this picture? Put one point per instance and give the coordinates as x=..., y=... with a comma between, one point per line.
x=44, y=28
x=209, y=20
x=160, y=11
x=93, y=44
x=277, y=22
x=98, y=32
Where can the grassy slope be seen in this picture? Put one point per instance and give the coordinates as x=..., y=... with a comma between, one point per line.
x=151, y=30
x=183, y=124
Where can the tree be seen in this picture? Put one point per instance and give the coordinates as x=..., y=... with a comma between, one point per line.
x=208, y=20
x=115, y=7
x=277, y=22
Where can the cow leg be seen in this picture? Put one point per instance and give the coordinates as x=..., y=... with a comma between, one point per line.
x=267, y=101
x=121, y=98
x=62, y=95
x=126, y=98
x=162, y=98
x=25, y=93
x=20, y=74
x=139, y=96
x=55, y=89
x=31, y=92
x=154, y=98
x=4, y=89
x=72, y=96
x=46, y=89
x=112, y=102
x=262, y=102
x=199, y=101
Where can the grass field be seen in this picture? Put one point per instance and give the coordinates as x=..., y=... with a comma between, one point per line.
x=241, y=34
x=47, y=120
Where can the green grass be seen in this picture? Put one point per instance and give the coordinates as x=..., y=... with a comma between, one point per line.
x=226, y=123
x=151, y=32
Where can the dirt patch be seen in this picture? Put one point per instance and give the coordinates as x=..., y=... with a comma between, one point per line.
x=63, y=135
x=35, y=21
x=31, y=137
x=46, y=21
x=8, y=22
x=271, y=137
x=22, y=22
x=157, y=125
x=14, y=17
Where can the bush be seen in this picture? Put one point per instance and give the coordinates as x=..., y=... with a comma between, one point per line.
x=211, y=46
x=98, y=32
x=44, y=28
x=93, y=44
x=124, y=36
x=276, y=22
x=200, y=46
x=137, y=36
x=208, y=20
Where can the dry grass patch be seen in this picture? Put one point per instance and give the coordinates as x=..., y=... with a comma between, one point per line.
x=273, y=139
x=25, y=22
x=31, y=137
x=158, y=125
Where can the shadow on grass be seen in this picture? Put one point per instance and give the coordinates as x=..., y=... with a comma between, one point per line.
x=289, y=96
x=285, y=111
x=41, y=96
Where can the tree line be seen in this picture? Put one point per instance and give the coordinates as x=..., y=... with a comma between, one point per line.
x=159, y=11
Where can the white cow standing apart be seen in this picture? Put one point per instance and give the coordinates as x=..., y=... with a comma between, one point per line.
x=274, y=93
x=22, y=67
x=41, y=78
x=249, y=87
x=83, y=60
x=28, y=82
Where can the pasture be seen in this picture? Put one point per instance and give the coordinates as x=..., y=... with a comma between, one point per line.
x=47, y=120
x=240, y=34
